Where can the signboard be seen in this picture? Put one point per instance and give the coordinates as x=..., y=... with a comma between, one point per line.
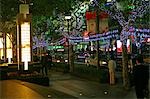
x=91, y=22
x=25, y=42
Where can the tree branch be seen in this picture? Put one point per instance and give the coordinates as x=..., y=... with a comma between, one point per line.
x=139, y=11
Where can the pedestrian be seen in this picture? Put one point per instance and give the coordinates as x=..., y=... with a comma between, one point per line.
x=112, y=67
x=130, y=69
x=130, y=64
x=44, y=64
x=87, y=59
x=141, y=77
x=49, y=61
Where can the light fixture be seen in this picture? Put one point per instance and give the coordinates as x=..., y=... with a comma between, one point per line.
x=67, y=17
x=25, y=42
x=8, y=48
x=24, y=47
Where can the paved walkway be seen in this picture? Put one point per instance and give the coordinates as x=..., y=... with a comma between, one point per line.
x=10, y=89
x=16, y=89
x=84, y=89
x=66, y=86
x=63, y=86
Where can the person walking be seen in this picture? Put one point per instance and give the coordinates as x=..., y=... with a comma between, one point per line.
x=141, y=77
x=112, y=67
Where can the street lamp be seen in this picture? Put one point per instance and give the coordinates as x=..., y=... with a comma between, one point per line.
x=68, y=18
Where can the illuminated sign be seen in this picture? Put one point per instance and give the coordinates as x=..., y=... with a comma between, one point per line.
x=25, y=44
x=119, y=46
x=9, y=47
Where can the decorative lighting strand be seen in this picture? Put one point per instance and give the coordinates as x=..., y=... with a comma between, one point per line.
x=142, y=33
x=139, y=11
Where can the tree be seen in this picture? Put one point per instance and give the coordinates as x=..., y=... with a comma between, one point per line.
x=125, y=22
x=51, y=21
x=7, y=21
x=44, y=31
x=8, y=29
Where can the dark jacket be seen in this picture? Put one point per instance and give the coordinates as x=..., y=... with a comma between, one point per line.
x=141, y=75
x=44, y=60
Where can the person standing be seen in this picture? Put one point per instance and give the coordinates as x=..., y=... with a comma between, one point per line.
x=87, y=59
x=44, y=64
x=141, y=77
x=112, y=67
x=49, y=61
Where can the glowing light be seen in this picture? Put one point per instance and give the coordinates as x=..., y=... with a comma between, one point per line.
x=9, y=60
x=66, y=60
x=109, y=0
x=67, y=17
x=58, y=61
x=1, y=42
x=26, y=65
x=25, y=42
x=9, y=47
x=148, y=40
x=26, y=54
x=9, y=53
x=91, y=0
x=25, y=34
x=144, y=33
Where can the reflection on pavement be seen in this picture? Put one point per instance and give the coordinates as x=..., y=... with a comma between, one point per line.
x=10, y=89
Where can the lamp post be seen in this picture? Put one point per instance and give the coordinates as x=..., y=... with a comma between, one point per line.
x=68, y=18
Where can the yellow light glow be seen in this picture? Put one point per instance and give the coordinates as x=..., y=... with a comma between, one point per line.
x=1, y=53
x=26, y=56
x=25, y=42
x=18, y=46
x=26, y=65
x=1, y=47
x=9, y=60
x=9, y=53
x=25, y=34
x=8, y=46
x=8, y=41
x=1, y=42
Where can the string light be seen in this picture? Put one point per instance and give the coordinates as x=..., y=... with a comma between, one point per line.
x=143, y=33
x=138, y=12
x=118, y=15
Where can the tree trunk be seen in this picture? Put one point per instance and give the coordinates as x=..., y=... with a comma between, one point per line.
x=71, y=58
x=4, y=47
x=97, y=32
x=126, y=82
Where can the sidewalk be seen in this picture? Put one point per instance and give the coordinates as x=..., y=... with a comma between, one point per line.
x=9, y=89
x=64, y=86
x=84, y=89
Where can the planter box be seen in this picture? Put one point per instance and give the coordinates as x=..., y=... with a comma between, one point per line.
x=41, y=80
x=3, y=72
